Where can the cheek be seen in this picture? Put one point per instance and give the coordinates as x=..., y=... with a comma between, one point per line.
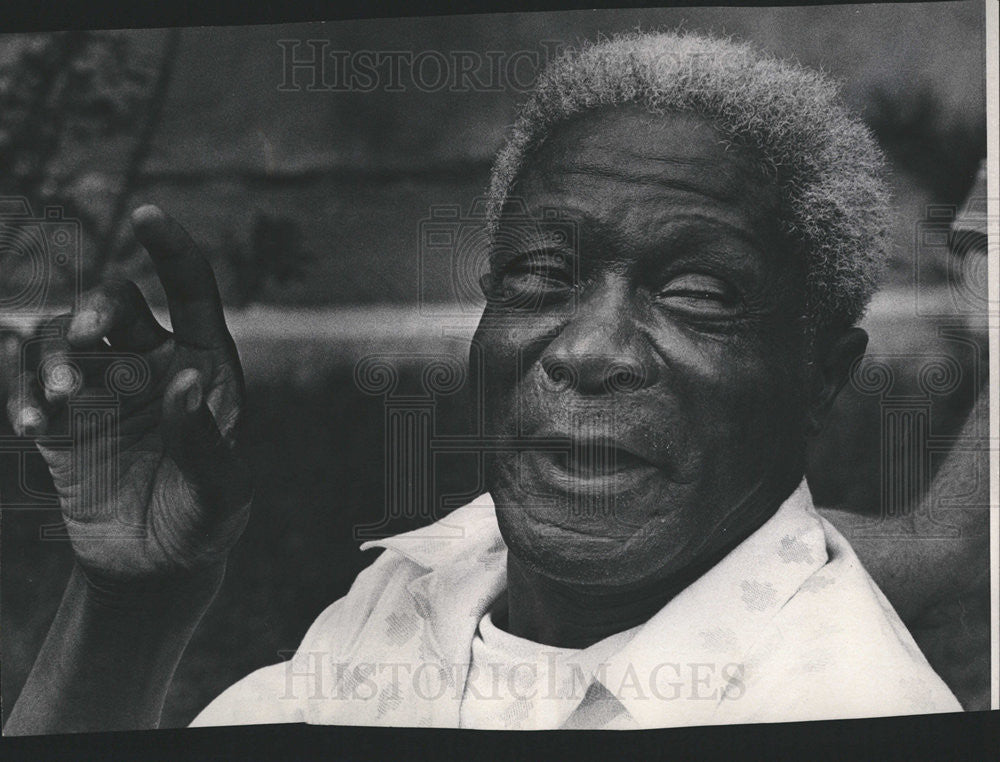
x=492, y=358
x=504, y=354
x=741, y=396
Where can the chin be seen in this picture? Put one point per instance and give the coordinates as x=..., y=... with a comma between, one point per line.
x=598, y=554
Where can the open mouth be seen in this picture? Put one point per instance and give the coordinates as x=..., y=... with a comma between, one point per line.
x=594, y=464
x=590, y=459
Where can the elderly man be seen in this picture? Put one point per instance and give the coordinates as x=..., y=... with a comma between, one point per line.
x=648, y=553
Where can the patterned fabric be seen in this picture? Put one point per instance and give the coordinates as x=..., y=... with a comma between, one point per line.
x=516, y=684
x=787, y=627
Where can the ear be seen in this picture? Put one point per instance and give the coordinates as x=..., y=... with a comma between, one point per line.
x=831, y=371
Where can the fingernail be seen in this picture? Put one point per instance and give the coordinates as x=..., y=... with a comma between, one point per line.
x=193, y=399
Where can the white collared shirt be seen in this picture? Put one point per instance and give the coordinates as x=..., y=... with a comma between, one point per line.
x=517, y=684
x=788, y=626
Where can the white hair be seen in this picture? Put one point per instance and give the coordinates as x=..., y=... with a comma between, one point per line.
x=824, y=161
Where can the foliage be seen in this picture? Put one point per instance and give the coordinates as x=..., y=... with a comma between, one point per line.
x=61, y=88
x=60, y=93
x=941, y=153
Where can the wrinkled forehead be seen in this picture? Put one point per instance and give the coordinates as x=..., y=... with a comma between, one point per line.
x=637, y=171
x=643, y=145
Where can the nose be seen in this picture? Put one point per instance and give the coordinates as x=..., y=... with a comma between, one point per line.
x=601, y=349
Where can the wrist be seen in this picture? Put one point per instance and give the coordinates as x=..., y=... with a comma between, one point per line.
x=189, y=590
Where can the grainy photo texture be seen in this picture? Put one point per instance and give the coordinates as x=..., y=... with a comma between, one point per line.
x=594, y=370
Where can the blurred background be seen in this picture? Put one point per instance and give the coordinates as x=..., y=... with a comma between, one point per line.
x=310, y=203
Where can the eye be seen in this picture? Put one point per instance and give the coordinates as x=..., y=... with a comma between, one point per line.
x=531, y=278
x=700, y=293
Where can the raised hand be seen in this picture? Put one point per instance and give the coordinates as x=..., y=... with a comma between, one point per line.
x=164, y=493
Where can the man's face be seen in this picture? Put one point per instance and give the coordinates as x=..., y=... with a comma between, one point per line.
x=652, y=375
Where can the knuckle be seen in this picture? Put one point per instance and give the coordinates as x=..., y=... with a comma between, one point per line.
x=25, y=418
x=60, y=377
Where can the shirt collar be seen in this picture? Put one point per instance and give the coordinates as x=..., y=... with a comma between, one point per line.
x=713, y=622
x=709, y=627
x=465, y=570
x=447, y=539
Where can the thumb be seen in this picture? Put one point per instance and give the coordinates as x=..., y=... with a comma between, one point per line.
x=193, y=441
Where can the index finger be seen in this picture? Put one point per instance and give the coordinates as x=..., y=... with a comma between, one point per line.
x=192, y=295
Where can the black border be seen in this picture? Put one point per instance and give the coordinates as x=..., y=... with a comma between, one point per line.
x=972, y=735
x=955, y=736
x=50, y=15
